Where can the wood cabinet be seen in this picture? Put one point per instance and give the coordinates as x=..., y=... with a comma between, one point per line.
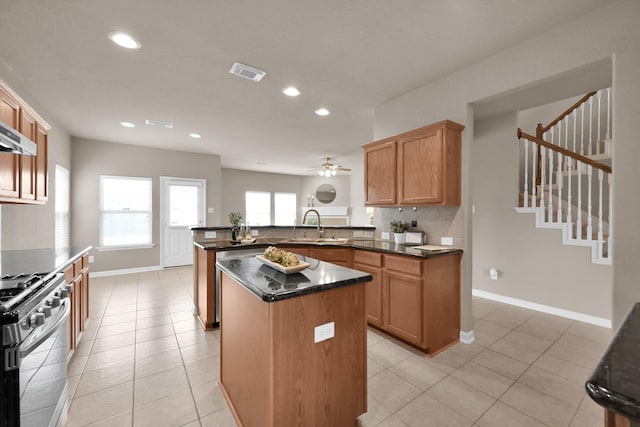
x=419, y=167
x=371, y=262
x=339, y=256
x=9, y=167
x=23, y=178
x=412, y=299
x=204, y=276
x=77, y=275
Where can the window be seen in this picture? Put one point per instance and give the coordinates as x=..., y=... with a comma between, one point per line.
x=125, y=211
x=285, y=208
x=258, y=208
x=62, y=208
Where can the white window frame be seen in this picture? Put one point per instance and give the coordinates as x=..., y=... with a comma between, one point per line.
x=146, y=245
x=246, y=212
x=275, y=208
x=62, y=213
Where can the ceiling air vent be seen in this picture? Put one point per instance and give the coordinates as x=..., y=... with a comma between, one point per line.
x=159, y=124
x=247, y=72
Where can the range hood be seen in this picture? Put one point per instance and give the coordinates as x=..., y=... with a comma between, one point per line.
x=12, y=141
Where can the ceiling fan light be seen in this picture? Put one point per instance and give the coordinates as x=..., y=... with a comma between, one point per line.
x=333, y=172
x=327, y=173
x=321, y=173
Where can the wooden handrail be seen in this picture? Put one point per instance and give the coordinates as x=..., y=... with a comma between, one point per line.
x=568, y=111
x=565, y=152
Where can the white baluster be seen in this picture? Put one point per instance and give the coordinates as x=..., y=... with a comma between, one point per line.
x=589, y=214
x=559, y=183
x=575, y=121
x=542, y=175
x=550, y=210
x=590, y=124
x=566, y=141
x=579, y=205
x=608, y=113
x=552, y=134
x=582, y=129
x=600, y=233
x=569, y=201
x=598, y=138
x=526, y=173
x=609, y=245
x=534, y=155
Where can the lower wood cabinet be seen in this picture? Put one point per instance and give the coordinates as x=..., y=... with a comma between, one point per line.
x=415, y=300
x=77, y=275
x=339, y=256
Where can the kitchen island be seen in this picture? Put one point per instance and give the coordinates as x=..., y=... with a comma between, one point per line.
x=293, y=346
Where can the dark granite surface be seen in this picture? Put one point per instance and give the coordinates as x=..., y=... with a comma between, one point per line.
x=271, y=285
x=39, y=260
x=615, y=383
x=373, y=245
x=287, y=227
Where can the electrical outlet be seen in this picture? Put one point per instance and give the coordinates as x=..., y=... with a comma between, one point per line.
x=91, y=259
x=323, y=332
x=414, y=223
x=254, y=233
x=209, y=234
x=358, y=233
x=448, y=241
x=210, y=210
x=493, y=274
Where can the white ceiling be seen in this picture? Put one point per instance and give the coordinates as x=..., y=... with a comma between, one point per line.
x=347, y=55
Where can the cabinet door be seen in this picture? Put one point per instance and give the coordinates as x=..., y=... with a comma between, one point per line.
x=380, y=174
x=76, y=307
x=373, y=294
x=42, y=172
x=9, y=168
x=338, y=256
x=403, y=314
x=28, y=163
x=420, y=168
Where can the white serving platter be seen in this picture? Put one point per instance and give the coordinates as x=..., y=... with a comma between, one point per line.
x=281, y=268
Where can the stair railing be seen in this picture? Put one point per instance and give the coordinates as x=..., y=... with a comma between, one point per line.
x=543, y=190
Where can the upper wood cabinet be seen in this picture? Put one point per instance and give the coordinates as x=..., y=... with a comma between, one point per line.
x=23, y=179
x=419, y=167
x=9, y=167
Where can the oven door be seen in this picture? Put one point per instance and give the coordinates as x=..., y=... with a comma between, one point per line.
x=43, y=370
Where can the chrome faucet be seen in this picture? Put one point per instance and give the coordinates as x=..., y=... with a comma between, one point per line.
x=304, y=218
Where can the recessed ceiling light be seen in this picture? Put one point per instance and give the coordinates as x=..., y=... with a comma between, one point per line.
x=124, y=40
x=195, y=135
x=291, y=91
x=322, y=112
x=127, y=124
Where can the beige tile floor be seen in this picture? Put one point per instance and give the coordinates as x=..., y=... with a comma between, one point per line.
x=145, y=361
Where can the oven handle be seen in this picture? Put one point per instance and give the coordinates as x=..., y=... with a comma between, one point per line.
x=24, y=352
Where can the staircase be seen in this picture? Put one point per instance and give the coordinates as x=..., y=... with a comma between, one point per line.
x=566, y=175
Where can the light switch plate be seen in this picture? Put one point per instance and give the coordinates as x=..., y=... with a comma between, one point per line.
x=209, y=234
x=91, y=259
x=385, y=235
x=210, y=210
x=323, y=332
x=254, y=233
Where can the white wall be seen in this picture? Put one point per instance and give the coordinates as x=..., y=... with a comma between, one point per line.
x=611, y=31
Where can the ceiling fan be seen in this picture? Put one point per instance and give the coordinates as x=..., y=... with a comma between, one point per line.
x=328, y=169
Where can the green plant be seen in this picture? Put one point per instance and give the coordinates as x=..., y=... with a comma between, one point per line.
x=399, y=226
x=235, y=218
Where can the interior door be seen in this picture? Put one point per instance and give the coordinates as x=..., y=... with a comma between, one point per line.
x=183, y=204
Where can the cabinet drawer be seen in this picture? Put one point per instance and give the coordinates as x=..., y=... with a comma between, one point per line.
x=403, y=264
x=330, y=254
x=68, y=274
x=85, y=261
x=77, y=267
x=367, y=257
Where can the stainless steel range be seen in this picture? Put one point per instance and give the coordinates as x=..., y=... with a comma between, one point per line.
x=34, y=313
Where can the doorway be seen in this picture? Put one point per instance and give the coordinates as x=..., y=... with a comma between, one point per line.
x=182, y=202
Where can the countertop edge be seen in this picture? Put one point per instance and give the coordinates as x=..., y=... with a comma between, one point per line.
x=71, y=260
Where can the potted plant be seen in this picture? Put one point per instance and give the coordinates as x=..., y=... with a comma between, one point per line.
x=234, y=219
x=398, y=228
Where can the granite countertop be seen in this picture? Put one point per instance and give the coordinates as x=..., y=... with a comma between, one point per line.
x=271, y=285
x=47, y=260
x=372, y=245
x=615, y=383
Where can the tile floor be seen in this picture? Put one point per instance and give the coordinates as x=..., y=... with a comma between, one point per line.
x=145, y=361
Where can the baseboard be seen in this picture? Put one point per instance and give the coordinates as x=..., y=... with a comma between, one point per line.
x=586, y=318
x=467, y=337
x=125, y=271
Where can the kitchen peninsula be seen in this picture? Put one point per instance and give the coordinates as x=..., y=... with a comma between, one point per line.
x=293, y=346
